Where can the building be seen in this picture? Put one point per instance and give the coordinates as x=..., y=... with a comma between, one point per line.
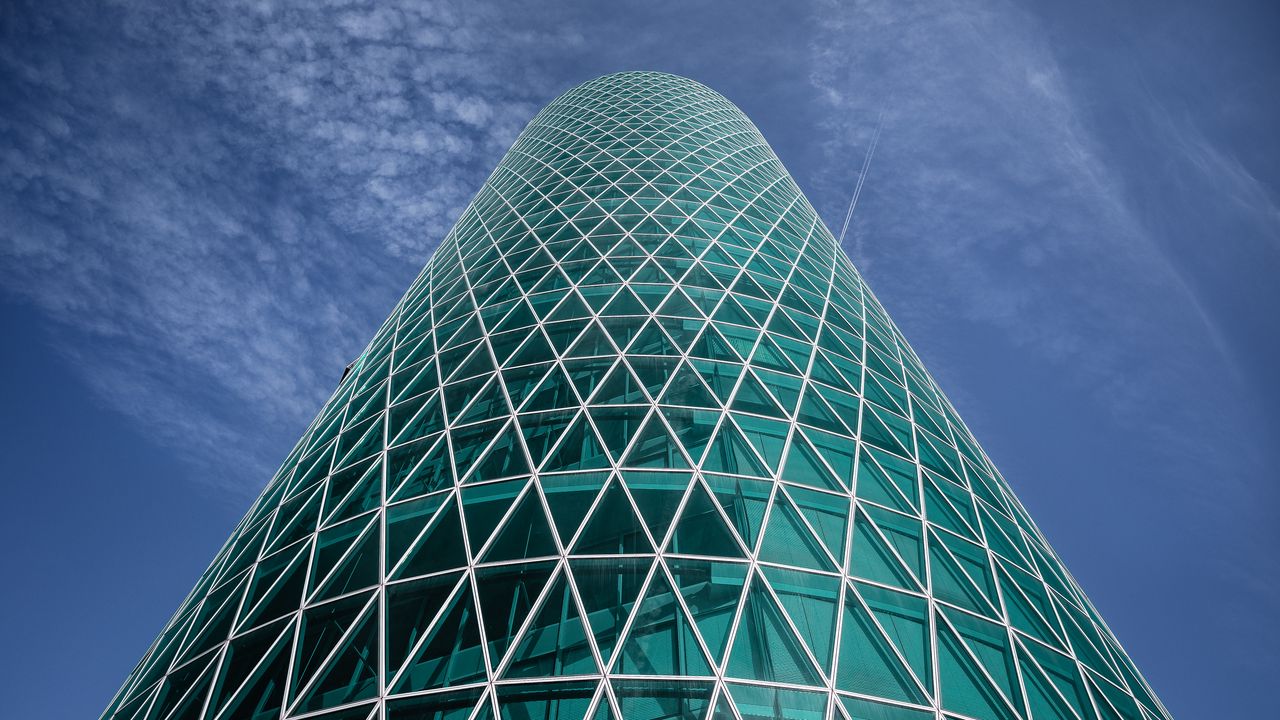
x=638, y=418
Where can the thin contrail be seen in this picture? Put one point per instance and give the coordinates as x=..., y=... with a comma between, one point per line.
x=862, y=177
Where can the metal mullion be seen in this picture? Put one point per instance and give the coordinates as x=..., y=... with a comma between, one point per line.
x=624, y=633
x=976, y=662
x=413, y=545
x=248, y=677
x=536, y=606
x=808, y=525
x=462, y=516
x=372, y=602
x=436, y=619
x=751, y=555
x=885, y=637
x=795, y=631
x=507, y=514
x=1000, y=599
x=1066, y=702
x=683, y=607
x=888, y=545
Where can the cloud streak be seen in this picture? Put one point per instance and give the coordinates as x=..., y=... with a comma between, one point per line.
x=219, y=206
x=991, y=202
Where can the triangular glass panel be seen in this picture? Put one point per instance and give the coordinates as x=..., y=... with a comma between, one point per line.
x=355, y=546
x=555, y=392
x=989, y=642
x=490, y=403
x=905, y=534
x=505, y=458
x=413, y=551
x=731, y=453
x=962, y=686
x=814, y=411
x=534, y=350
x=593, y=342
x=941, y=513
x=255, y=668
x=620, y=387
x=416, y=418
x=661, y=640
x=613, y=527
x=753, y=398
x=657, y=495
x=277, y=587
x=609, y=589
x=625, y=303
x=905, y=620
x=701, y=530
x=768, y=437
x=828, y=515
x=1043, y=697
x=526, y=534
x=720, y=377
x=873, y=484
x=569, y=496
x=764, y=647
x=468, y=442
x=510, y=592
x=579, y=449
x=351, y=673
x=411, y=609
x=1022, y=615
x=712, y=346
x=522, y=381
x=655, y=448
x=555, y=643
x=812, y=602
x=804, y=467
x=868, y=664
x=744, y=502
x=653, y=372
x=483, y=507
x=872, y=559
x=543, y=429
x=412, y=470
x=685, y=388
x=184, y=691
x=952, y=584
x=876, y=429
x=711, y=589
x=365, y=494
x=450, y=654
x=789, y=542
x=617, y=425
x=1060, y=670
x=975, y=560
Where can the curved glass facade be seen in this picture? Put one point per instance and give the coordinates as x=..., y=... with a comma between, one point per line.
x=637, y=443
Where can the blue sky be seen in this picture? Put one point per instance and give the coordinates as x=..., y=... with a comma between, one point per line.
x=207, y=208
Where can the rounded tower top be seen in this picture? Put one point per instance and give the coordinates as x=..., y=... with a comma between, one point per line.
x=624, y=107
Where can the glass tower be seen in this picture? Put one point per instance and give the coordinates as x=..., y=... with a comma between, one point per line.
x=637, y=443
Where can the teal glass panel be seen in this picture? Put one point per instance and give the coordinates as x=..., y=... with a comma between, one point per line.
x=638, y=442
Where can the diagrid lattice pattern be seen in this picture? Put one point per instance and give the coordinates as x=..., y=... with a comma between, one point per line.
x=638, y=443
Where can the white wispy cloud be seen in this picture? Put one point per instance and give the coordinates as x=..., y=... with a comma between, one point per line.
x=216, y=205
x=1000, y=209
x=991, y=200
